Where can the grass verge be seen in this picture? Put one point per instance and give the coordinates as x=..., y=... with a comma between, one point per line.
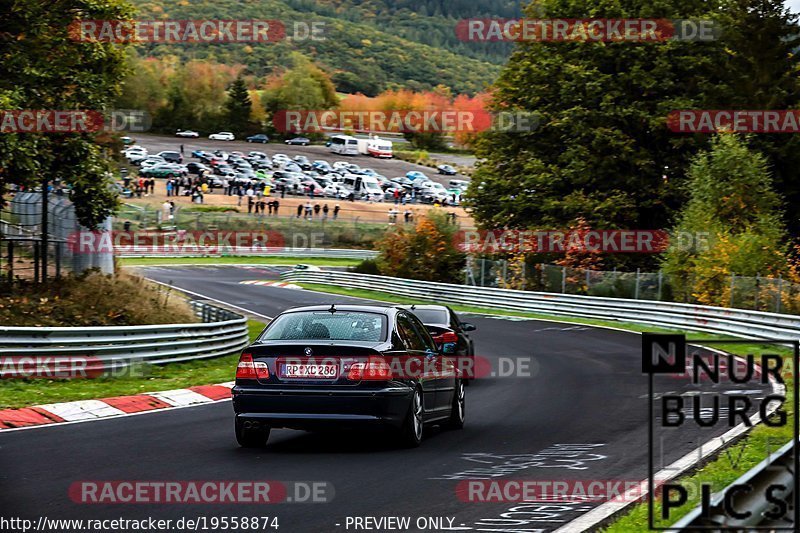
x=719, y=472
x=228, y=260
x=152, y=378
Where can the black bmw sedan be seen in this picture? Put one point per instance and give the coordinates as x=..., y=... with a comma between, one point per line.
x=346, y=367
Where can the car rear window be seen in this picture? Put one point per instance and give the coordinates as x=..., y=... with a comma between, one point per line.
x=432, y=316
x=324, y=325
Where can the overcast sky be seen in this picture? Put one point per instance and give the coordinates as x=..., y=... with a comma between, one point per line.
x=794, y=4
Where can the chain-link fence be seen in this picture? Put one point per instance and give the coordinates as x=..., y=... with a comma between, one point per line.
x=741, y=292
x=26, y=253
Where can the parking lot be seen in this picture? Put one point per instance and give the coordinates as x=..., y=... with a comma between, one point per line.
x=391, y=168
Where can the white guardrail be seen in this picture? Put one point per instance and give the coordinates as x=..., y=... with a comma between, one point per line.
x=737, y=322
x=222, y=332
x=239, y=251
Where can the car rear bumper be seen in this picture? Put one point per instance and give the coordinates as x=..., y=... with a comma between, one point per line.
x=323, y=408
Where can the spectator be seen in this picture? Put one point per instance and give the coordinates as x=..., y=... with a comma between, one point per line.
x=407, y=216
x=276, y=205
x=311, y=188
x=396, y=196
x=169, y=187
x=269, y=205
x=317, y=209
x=181, y=149
x=299, y=210
x=250, y=203
x=336, y=209
x=309, y=211
x=325, y=212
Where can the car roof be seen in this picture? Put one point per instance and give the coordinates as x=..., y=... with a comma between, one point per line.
x=428, y=307
x=387, y=309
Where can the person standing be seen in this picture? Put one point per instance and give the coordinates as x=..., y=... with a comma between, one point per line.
x=325, y=212
x=169, y=187
x=181, y=149
x=309, y=211
x=336, y=209
x=275, y=205
x=269, y=206
x=317, y=209
x=299, y=210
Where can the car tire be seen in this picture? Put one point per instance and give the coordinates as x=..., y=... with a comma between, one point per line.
x=249, y=438
x=457, y=412
x=411, y=432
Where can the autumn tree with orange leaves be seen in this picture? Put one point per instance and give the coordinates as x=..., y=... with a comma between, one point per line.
x=425, y=251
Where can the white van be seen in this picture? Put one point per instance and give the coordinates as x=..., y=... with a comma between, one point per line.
x=344, y=145
x=363, y=186
x=375, y=147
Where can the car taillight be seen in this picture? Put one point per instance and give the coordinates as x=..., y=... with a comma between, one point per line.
x=375, y=369
x=262, y=370
x=446, y=337
x=246, y=369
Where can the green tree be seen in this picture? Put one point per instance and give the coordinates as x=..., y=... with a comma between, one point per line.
x=730, y=224
x=602, y=150
x=238, y=108
x=303, y=87
x=43, y=68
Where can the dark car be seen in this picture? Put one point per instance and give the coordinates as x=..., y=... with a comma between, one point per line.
x=447, y=170
x=258, y=138
x=172, y=157
x=336, y=367
x=302, y=141
x=445, y=327
x=197, y=168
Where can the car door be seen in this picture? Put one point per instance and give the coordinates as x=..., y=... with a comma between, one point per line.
x=443, y=375
x=415, y=347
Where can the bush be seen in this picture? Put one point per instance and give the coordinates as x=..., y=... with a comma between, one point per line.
x=426, y=252
x=367, y=266
x=91, y=299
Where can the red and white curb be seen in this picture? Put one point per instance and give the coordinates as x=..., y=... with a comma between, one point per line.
x=85, y=410
x=281, y=284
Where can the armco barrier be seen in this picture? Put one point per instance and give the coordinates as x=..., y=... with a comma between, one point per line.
x=234, y=251
x=222, y=332
x=737, y=322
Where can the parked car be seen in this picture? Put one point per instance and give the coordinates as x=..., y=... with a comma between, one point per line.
x=258, y=138
x=172, y=157
x=302, y=141
x=150, y=161
x=163, y=170
x=189, y=134
x=127, y=141
x=416, y=175
x=197, y=168
x=447, y=170
x=332, y=367
x=321, y=166
x=222, y=136
x=303, y=162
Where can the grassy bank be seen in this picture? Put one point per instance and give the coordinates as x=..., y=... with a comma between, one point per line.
x=149, y=378
x=719, y=472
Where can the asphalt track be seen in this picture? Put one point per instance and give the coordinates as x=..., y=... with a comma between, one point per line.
x=585, y=389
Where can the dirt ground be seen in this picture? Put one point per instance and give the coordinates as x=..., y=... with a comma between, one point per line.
x=363, y=211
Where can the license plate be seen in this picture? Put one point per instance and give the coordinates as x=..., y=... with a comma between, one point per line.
x=298, y=371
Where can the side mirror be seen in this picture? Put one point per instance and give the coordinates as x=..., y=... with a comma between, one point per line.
x=466, y=326
x=449, y=348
